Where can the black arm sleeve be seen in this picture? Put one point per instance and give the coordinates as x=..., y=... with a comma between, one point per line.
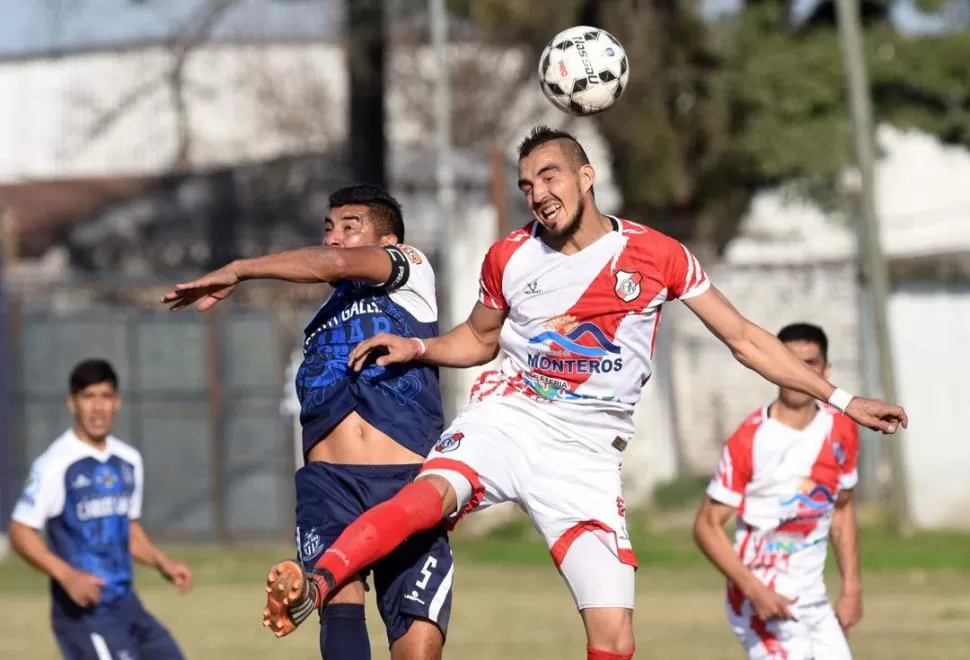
x=400, y=269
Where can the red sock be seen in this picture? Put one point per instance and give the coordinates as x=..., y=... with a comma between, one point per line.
x=596, y=654
x=376, y=532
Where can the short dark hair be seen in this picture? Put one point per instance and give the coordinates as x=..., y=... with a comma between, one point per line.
x=543, y=134
x=90, y=372
x=385, y=211
x=808, y=333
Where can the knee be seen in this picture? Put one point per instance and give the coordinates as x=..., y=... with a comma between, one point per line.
x=610, y=635
x=422, y=641
x=351, y=593
x=446, y=490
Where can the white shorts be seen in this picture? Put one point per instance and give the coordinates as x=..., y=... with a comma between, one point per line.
x=567, y=483
x=815, y=635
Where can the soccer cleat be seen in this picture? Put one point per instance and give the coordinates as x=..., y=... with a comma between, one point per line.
x=292, y=595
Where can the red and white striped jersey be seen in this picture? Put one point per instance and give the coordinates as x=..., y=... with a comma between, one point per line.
x=784, y=483
x=581, y=328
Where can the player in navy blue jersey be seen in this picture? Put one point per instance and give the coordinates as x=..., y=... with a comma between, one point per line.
x=85, y=492
x=365, y=435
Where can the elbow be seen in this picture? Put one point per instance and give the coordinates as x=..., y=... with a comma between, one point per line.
x=743, y=346
x=701, y=531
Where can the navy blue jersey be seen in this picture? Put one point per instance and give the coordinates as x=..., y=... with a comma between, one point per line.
x=403, y=400
x=84, y=499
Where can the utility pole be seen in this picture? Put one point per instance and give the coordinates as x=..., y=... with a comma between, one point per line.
x=868, y=241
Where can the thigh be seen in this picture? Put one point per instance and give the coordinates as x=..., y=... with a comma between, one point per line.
x=326, y=502
x=154, y=640
x=577, y=491
x=414, y=584
x=596, y=577
x=828, y=638
x=95, y=639
x=482, y=447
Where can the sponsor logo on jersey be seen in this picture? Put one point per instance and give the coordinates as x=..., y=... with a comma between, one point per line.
x=102, y=507
x=627, y=285
x=449, y=443
x=801, y=512
x=413, y=255
x=565, y=353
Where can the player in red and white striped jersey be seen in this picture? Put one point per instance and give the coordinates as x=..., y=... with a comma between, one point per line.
x=573, y=299
x=787, y=475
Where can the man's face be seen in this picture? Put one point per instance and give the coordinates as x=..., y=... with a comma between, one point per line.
x=555, y=188
x=351, y=226
x=811, y=354
x=94, y=409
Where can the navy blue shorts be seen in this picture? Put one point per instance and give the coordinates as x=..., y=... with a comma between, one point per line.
x=414, y=581
x=120, y=630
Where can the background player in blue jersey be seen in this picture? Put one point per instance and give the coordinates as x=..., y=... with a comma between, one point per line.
x=85, y=491
x=365, y=435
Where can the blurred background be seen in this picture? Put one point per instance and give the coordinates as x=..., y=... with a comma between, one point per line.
x=814, y=154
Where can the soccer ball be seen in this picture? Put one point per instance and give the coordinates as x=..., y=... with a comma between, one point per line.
x=583, y=70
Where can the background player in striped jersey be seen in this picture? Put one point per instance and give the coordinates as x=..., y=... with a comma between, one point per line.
x=85, y=491
x=573, y=299
x=364, y=435
x=787, y=474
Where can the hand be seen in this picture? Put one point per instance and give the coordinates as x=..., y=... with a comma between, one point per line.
x=207, y=290
x=83, y=588
x=399, y=349
x=770, y=605
x=877, y=415
x=176, y=573
x=848, y=609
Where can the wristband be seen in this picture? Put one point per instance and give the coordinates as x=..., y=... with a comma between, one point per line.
x=421, y=347
x=840, y=399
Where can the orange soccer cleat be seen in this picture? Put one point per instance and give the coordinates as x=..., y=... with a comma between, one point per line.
x=291, y=596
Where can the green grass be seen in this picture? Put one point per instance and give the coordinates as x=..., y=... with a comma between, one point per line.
x=882, y=551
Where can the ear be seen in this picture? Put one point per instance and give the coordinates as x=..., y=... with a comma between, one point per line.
x=389, y=239
x=828, y=370
x=71, y=405
x=587, y=177
x=118, y=402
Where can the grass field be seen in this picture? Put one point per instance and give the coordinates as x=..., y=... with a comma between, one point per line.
x=510, y=603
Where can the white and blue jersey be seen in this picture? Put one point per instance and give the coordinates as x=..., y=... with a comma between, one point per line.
x=84, y=498
x=403, y=400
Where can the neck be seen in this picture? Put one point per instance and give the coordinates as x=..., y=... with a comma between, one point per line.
x=593, y=225
x=797, y=418
x=84, y=436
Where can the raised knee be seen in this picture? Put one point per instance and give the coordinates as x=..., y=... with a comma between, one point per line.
x=446, y=490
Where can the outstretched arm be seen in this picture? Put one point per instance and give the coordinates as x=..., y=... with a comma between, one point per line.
x=472, y=343
x=762, y=352
x=309, y=265
x=317, y=263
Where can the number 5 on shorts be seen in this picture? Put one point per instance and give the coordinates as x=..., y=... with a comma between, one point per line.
x=426, y=573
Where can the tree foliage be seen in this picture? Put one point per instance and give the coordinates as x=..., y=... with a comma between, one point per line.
x=715, y=112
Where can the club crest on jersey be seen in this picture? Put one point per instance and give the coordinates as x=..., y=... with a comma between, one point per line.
x=449, y=443
x=839, y=452
x=627, y=285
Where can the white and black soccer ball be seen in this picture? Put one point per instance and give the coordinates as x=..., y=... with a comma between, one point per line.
x=583, y=70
